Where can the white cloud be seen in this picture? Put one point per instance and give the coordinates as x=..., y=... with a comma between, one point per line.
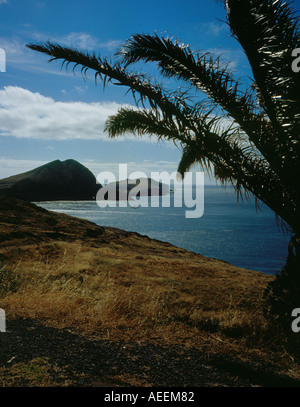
x=80, y=89
x=81, y=40
x=24, y=114
x=3, y=1
x=86, y=41
x=234, y=57
x=215, y=29
x=20, y=57
x=14, y=48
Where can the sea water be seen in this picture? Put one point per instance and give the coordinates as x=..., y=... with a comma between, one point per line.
x=236, y=232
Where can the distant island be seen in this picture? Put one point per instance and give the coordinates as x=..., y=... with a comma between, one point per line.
x=57, y=180
x=137, y=187
x=72, y=181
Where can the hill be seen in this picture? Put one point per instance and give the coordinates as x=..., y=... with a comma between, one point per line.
x=57, y=180
x=96, y=306
x=137, y=187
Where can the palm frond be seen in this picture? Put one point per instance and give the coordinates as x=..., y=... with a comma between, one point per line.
x=208, y=74
x=143, y=90
x=257, y=147
x=271, y=34
x=210, y=150
x=142, y=122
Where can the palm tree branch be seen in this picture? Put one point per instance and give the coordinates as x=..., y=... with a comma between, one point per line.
x=169, y=103
x=207, y=149
x=206, y=73
x=271, y=34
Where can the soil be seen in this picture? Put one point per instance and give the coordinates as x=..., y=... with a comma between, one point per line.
x=76, y=360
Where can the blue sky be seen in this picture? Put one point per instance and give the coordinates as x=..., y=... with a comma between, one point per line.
x=48, y=114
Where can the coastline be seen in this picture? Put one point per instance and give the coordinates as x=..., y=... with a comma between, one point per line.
x=228, y=231
x=105, y=284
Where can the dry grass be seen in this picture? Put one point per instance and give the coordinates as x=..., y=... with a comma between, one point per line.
x=35, y=373
x=101, y=290
x=127, y=287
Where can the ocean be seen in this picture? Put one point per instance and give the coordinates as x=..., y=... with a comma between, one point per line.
x=235, y=232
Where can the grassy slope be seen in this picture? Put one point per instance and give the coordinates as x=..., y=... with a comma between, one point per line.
x=116, y=285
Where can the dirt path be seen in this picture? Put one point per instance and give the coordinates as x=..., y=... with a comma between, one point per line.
x=33, y=354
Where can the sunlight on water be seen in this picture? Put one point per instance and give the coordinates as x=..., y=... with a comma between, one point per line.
x=228, y=231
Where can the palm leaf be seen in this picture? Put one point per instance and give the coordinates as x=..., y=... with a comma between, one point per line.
x=258, y=148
